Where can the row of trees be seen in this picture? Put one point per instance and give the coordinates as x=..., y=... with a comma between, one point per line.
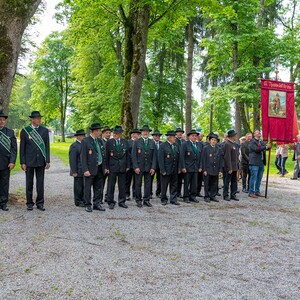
x=132, y=62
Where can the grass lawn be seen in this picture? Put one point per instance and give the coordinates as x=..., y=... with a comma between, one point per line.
x=61, y=150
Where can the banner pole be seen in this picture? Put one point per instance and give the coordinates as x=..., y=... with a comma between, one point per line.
x=268, y=171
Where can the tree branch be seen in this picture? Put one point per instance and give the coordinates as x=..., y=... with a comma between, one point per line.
x=122, y=13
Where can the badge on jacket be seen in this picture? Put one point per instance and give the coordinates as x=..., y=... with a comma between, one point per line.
x=111, y=153
x=90, y=151
x=189, y=153
x=139, y=151
x=210, y=155
x=168, y=155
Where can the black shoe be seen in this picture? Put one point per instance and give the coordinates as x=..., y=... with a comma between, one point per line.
x=179, y=196
x=88, y=209
x=80, y=204
x=158, y=195
x=147, y=203
x=122, y=204
x=234, y=198
x=206, y=199
x=111, y=206
x=199, y=195
x=214, y=199
x=186, y=201
x=29, y=207
x=244, y=191
x=294, y=178
x=194, y=200
x=226, y=198
x=4, y=207
x=98, y=207
x=218, y=194
x=139, y=204
x=175, y=203
x=41, y=207
x=237, y=192
x=128, y=198
x=164, y=202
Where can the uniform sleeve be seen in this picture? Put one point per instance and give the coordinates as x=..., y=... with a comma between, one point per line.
x=73, y=159
x=14, y=149
x=83, y=156
x=22, y=147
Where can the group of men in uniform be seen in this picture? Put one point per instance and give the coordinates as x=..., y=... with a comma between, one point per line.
x=104, y=158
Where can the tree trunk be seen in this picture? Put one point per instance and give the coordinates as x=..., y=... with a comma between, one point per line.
x=189, y=78
x=14, y=20
x=136, y=37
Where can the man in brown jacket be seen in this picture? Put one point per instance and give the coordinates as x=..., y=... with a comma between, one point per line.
x=231, y=153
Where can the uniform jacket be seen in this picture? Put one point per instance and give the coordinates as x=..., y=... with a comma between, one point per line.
x=179, y=142
x=75, y=159
x=168, y=160
x=117, y=161
x=190, y=159
x=257, y=152
x=142, y=157
x=30, y=154
x=245, y=153
x=212, y=160
x=130, y=144
x=231, y=156
x=89, y=155
x=157, y=148
x=5, y=157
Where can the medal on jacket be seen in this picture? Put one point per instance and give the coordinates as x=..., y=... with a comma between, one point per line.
x=233, y=148
x=189, y=153
x=90, y=152
x=168, y=155
x=139, y=151
x=111, y=153
x=210, y=155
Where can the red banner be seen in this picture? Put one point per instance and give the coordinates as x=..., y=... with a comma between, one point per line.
x=278, y=110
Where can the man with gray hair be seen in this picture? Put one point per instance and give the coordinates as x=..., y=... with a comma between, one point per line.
x=297, y=159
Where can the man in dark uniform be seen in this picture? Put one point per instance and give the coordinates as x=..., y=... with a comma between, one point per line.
x=76, y=168
x=8, y=155
x=92, y=160
x=245, y=162
x=117, y=163
x=144, y=164
x=190, y=156
x=169, y=165
x=106, y=133
x=211, y=164
x=135, y=134
x=200, y=174
x=156, y=138
x=231, y=158
x=35, y=158
x=179, y=141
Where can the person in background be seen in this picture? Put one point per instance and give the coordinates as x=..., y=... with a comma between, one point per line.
x=239, y=173
x=156, y=135
x=135, y=134
x=245, y=162
x=284, y=153
x=106, y=134
x=8, y=155
x=35, y=158
x=76, y=168
x=297, y=159
x=200, y=174
x=179, y=141
x=278, y=159
x=257, y=161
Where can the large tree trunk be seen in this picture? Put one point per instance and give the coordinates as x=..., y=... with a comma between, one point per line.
x=14, y=16
x=136, y=37
x=189, y=78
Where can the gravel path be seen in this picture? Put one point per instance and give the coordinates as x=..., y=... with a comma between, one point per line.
x=238, y=250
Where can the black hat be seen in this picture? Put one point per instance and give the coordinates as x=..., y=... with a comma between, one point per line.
x=193, y=131
x=95, y=126
x=156, y=132
x=135, y=130
x=146, y=127
x=171, y=133
x=179, y=129
x=213, y=136
x=79, y=132
x=35, y=114
x=106, y=128
x=231, y=133
x=118, y=129
x=3, y=115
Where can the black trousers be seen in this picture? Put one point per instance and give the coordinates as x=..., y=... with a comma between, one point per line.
x=112, y=178
x=78, y=190
x=130, y=178
x=95, y=181
x=39, y=175
x=230, y=180
x=138, y=186
x=4, y=186
x=190, y=185
x=211, y=185
x=179, y=183
x=172, y=181
x=200, y=180
x=106, y=191
x=245, y=176
x=158, y=182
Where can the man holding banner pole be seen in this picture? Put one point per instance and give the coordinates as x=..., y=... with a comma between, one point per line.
x=35, y=158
